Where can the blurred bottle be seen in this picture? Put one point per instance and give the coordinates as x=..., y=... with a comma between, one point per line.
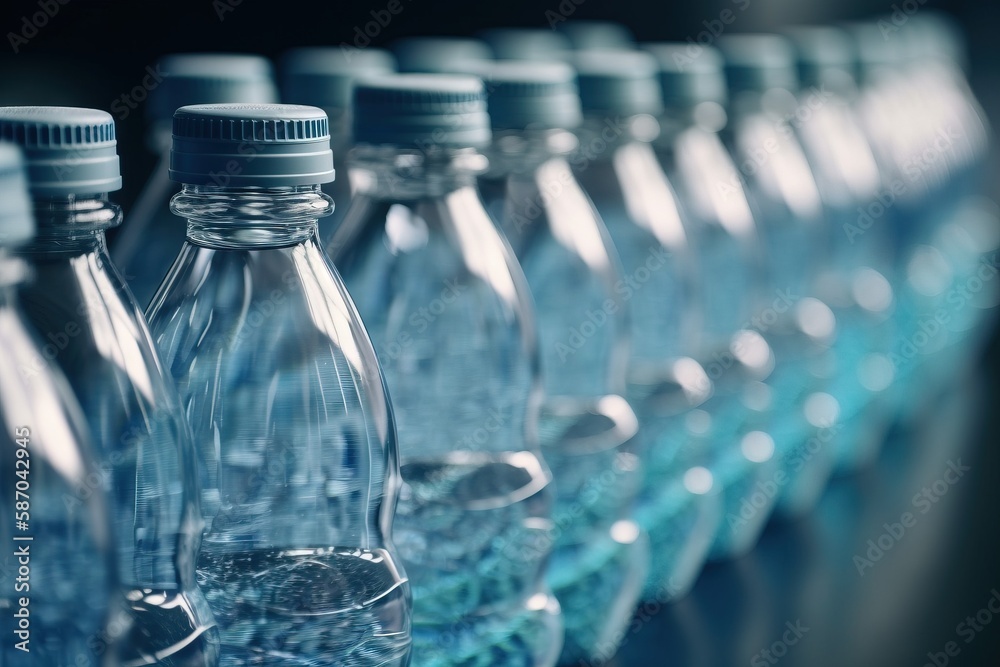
x=151, y=236
x=324, y=78
x=58, y=575
x=945, y=242
x=451, y=318
x=691, y=427
x=761, y=76
x=855, y=281
x=439, y=54
x=285, y=397
x=584, y=35
x=526, y=44
x=600, y=559
x=80, y=303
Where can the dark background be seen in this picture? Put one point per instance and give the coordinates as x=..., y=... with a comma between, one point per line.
x=909, y=604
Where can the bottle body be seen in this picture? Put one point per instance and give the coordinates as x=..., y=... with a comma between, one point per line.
x=587, y=428
x=294, y=430
x=449, y=314
x=56, y=518
x=100, y=340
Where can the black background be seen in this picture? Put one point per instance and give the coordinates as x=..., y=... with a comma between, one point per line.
x=91, y=52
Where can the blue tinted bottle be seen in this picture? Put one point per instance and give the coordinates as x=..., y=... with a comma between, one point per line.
x=80, y=303
x=587, y=428
x=285, y=398
x=58, y=574
x=451, y=318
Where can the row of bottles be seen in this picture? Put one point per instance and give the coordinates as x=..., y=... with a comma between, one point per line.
x=581, y=316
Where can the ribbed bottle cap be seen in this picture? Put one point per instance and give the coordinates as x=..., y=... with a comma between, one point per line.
x=16, y=222
x=618, y=82
x=824, y=54
x=531, y=95
x=438, y=54
x=689, y=74
x=758, y=62
x=239, y=145
x=210, y=78
x=597, y=34
x=67, y=150
x=526, y=44
x=403, y=109
x=324, y=76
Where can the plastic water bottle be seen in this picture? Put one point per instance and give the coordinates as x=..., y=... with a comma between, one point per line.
x=856, y=282
x=324, y=78
x=97, y=335
x=618, y=168
x=934, y=161
x=284, y=396
x=450, y=315
x=58, y=574
x=761, y=76
x=150, y=238
x=587, y=428
x=438, y=54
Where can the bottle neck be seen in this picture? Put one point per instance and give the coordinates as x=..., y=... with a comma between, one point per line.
x=250, y=218
x=709, y=116
x=601, y=135
x=515, y=152
x=392, y=172
x=72, y=224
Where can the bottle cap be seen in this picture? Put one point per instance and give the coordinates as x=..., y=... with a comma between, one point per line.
x=689, y=74
x=17, y=224
x=438, y=54
x=618, y=82
x=597, y=35
x=531, y=95
x=403, y=109
x=240, y=145
x=324, y=76
x=67, y=150
x=210, y=78
x=526, y=44
x=824, y=54
x=758, y=62
x=876, y=52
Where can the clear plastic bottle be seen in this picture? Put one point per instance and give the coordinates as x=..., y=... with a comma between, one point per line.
x=692, y=425
x=285, y=398
x=79, y=302
x=855, y=282
x=600, y=557
x=761, y=75
x=58, y=574
x=150, y=238
x=451, y=318
x=324, y=77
